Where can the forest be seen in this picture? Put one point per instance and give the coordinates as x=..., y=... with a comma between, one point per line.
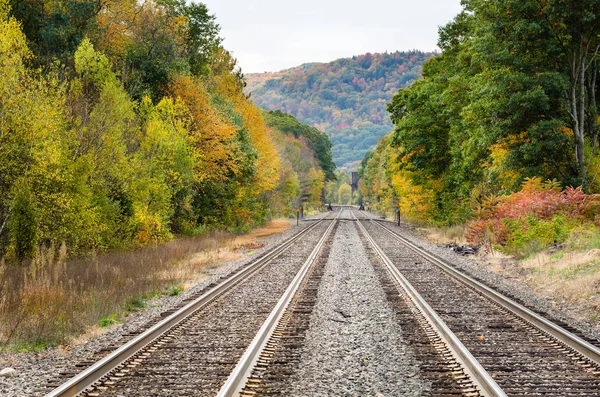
x=124, y=124
x=501, y=132
x=345, y=98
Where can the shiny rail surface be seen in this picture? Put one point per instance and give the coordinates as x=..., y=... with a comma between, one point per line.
x=525, y=352
x=100, y=369
x=571, y=340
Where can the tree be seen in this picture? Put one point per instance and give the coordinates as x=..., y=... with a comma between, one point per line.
x=56, y=27
x=317, y=140
x=35, y=148
x=23, y=222
x=202, y=38
x=316, y=183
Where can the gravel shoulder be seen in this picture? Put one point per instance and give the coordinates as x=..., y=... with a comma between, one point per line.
x=353, y=346
x=479, y=268
x=35, y=369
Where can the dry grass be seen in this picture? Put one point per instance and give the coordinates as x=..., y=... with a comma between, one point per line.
x=248, y=241
x=446, y=235
x=54, y=300
x=572, y=277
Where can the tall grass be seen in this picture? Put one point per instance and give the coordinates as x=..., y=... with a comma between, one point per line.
x=52, y=298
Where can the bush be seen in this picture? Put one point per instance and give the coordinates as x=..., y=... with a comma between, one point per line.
x=531, y=235
x=536, y=217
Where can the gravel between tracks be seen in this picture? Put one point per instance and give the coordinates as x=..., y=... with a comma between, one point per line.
x=506, y=286
x=35, y=370
x=353, y=346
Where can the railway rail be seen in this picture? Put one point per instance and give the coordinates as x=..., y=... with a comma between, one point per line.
x=448, y=365
x=291, y=312
x=524, y=352
x=481, y=380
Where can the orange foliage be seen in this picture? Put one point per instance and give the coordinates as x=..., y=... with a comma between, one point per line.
x=115, y=20
x=230, y=87
x=122, y=23
x=268, y=163
x=211, y=136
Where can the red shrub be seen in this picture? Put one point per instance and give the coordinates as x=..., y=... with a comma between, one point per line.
x=539, y=200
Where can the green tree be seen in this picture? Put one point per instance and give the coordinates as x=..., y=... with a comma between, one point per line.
x=56, y=27
x=318, y=141
x=23, y=222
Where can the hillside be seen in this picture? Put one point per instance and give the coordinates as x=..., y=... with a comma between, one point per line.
x=346, y=98
x=315, y=141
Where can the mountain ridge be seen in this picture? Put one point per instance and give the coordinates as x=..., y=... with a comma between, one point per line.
x=346, y=98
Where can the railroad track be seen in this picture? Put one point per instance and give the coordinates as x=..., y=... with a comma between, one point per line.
x=210, y=331
x=468, y=373
x=522, y=351
x=265, y=363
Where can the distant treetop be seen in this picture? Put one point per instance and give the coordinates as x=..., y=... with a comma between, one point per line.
x=317, y=141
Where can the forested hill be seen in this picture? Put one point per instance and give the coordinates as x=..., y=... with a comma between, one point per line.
x=345, y=98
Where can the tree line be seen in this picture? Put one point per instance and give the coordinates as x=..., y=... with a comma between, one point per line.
x=124, y=123
x=512, y=96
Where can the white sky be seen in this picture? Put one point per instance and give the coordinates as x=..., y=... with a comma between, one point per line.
x=270, y=35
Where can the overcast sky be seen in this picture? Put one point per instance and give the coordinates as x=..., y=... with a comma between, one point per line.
x=270, y=35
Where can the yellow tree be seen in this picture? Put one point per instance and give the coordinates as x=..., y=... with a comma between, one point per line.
x=316, y=183
x=228, y=85
x=211, y=136
x=36, y=159
x=344, y=194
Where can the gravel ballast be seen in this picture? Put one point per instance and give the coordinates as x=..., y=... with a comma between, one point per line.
x=353, y=346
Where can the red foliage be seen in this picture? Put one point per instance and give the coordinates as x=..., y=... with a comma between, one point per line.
x=481, y=229
x=535, y=201
x=544, y=204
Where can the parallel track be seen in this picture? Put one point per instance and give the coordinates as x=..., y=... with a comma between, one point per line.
x=479, y=341
x=477, y=374
x=274, y=354
x=260, y=351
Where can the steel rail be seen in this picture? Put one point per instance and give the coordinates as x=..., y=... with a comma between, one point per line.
x=243, y=370
x=479, y=376
x=100, y=369
x=569, y=339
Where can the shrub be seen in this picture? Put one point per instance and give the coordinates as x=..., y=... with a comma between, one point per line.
x=532, y=219
x=175, y=291
x=108, y=321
